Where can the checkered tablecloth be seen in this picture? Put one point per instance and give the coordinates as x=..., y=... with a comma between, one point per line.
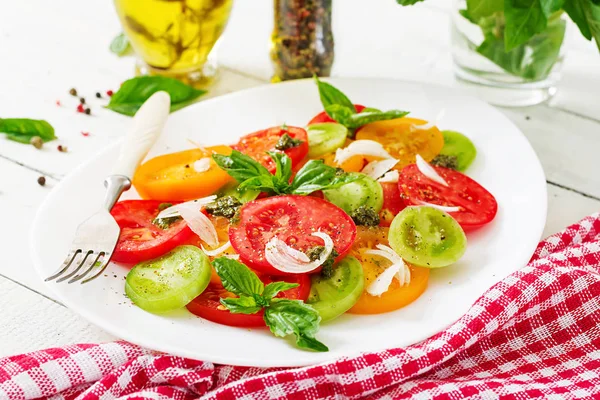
x=536, y=334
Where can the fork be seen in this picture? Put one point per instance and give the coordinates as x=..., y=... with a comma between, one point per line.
x=96, y=237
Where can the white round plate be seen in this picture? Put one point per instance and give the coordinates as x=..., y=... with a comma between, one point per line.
x=506, y=165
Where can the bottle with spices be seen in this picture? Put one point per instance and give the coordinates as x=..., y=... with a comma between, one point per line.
x=302, y=40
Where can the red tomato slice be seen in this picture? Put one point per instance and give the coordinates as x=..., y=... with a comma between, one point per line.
x=392, y=203
x=258, y=143
x=208, y=305
x=292, y=219
x=478, y=206
x=140, y=239
x=323, y=117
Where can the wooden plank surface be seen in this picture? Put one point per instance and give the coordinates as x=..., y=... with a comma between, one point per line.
x=49, y=55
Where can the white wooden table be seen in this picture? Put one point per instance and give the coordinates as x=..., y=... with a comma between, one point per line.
x=48, y=47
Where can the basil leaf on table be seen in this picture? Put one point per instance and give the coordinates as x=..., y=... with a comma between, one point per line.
x=524, y=18
x=23, y=129
x=134, y=92
x=408, y=2
x=237, y=278
x=120, y=45
x=286, y=317
x=331, y=95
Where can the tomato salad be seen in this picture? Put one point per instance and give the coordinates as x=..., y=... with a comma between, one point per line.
x=292, y=227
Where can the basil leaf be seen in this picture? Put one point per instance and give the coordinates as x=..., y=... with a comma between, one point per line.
x=524, y=18
x=478, y=9
x=339, y=113
x=533, y=60
x=330, y=95
x=315, y=175
x=591, y=10
x=23, y=129
x=407, y=2
x=134, y=92
x=120, y=45
x=283, y=171
x=237, y=278
x=241, y=305
x=273, y=289
x=575, y=10
x=285, y=317
x=364, y=118
x=240, y=166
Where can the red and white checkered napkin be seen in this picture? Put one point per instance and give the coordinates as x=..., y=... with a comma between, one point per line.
x=535, y=334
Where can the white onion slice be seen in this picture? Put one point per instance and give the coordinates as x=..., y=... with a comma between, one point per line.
x=191, y=212
x=376, y=169
x=432, y=123
x=287, y=259
x=390, y=177
x=217, y=251
x=232, y=256
x=362, y=148
x=447, y=209
x=427, y=170
x=398, y=270
x=202, y=165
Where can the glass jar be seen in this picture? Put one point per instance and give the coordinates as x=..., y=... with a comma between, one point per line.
x=524, y=76
x=176, y=37
x=302, y=40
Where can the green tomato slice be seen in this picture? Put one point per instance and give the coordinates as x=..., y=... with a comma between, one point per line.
x=427, y=237
x=334, y=296
x=364, y=191
x=170, y=281
x=458, y=145
x=325, y=138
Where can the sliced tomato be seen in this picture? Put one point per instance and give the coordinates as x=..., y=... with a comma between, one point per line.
x=323, y=117
x=208, y=305
x=140, y=239
x=392, y=203
x=292, y=219
x=173, y=176
x=396, y=296
x=258, y=143
x=478, y=206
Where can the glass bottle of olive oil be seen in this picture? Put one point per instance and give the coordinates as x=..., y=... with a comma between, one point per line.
x=302, y=40
x=175, y=37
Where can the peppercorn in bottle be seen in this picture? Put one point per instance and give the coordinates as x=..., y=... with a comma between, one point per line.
x=302, y=40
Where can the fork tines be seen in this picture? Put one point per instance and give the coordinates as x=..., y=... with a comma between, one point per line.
x=77, y=260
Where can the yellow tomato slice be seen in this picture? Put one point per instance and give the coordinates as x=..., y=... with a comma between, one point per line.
x=172, y=177
x=353, y=164
x=399, y=138
x=396, y=296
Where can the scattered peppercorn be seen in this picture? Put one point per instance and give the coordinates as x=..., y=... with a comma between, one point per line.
x=225, y=206
x=365, y=216
x=98, y=95
x=82, y=100
x=80, y=108
x=88, y=111
x=287, y=142
x=41, y=181
x=73, y=92
x=446, y=161
x=109, y=92
x=61, y=148
x=36, y=142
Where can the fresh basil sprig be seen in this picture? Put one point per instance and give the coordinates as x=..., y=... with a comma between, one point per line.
x=313, y=176
x=120, y=45
x=283, y=316
x=341, y=109
x=23, y=129
x=134, y=92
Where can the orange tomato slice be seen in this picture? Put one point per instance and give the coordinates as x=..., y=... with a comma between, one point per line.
x=353, y=164
x=396, y=296
x=172, y=177
x=399, y=138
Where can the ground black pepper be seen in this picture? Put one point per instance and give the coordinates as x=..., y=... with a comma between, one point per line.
x=302, y=41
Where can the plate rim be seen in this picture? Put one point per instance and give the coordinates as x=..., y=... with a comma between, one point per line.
x=240, y=360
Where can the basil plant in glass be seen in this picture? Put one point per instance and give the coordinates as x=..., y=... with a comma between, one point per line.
x=511, y=51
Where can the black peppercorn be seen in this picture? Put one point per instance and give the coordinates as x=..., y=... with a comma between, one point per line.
x=73, y=92
x=82, y=100
x=98, y=95
x=41, y=181
x=88, y=111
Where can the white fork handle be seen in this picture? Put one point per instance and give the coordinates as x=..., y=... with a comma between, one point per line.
x=148, y=123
